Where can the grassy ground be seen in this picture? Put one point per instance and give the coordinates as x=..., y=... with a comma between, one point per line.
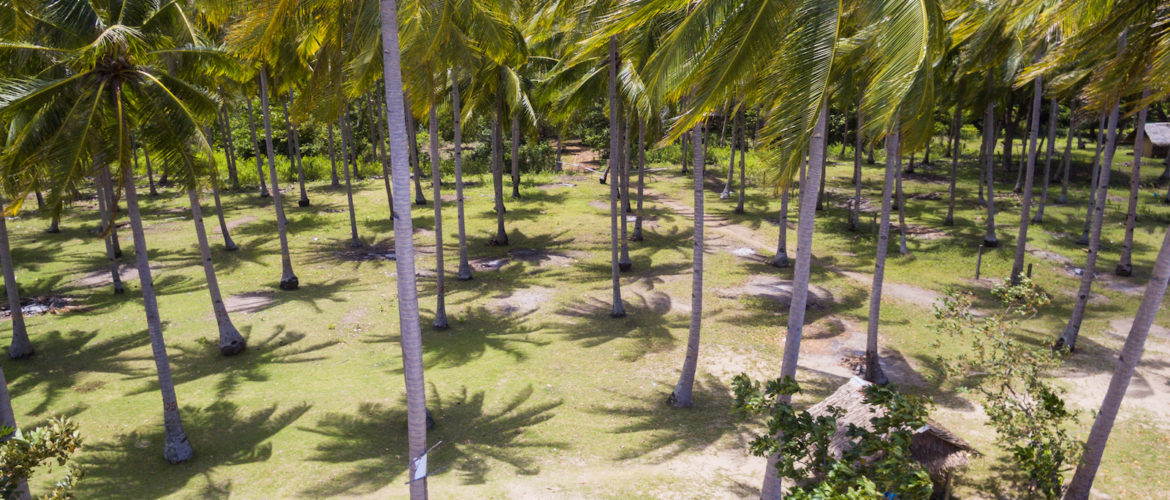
x=538, y=393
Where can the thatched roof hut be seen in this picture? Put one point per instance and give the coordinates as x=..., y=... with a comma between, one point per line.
x=1156, y=144
x=939, y=450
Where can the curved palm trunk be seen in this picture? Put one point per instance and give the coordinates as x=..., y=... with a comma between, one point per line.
x=956, y=145
x=800, y=276
x=354, y=242
x=1026, y=199
x=112, y=210
x=901, y=207
x=735, y=126
x=1131, y=354
x=681, y=397
x=1084, y=238
x=1066, y=159
x=501, y=237
x=228, y=244
x=1068, y=338
x=176, y=448
x=623, y=180
x=619, y=309
x=1053, y=108
x=990, y=240
x=516, y=155
x=440, y=322
x=21, y=346
x=295, y=148
x=637, y=236
x=255, y=144
x=108, y=221
x=1125, y=263
x=230, y=340
x=334, y=181
x=412, y=130
x=288, y=279
x=855, y=211
x=873, y=368
x=464, y=273
x=416, y=412
x=781, y=258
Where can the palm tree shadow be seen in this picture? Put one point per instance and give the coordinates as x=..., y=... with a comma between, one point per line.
x=220, y=434
x=473, y=333
x=372, y=440
x=647, y=326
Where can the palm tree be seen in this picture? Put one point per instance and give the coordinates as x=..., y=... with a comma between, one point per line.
x=408, y=317
x=681, y=397
x=1095, y=175
x=440, y=322
x=735, y=130
x=742, y=162
x=21, y=346
x=288, y=279
x=957, y=147
x=1026, y=199
x=619, y=309
x=101, y=182
x=255, y=146
x=464, y=273
x=515, y=154
x=1131, y=353
x=1053, y=109
x=1066, y=159
x=230, y=340
x=781, y=258
x=873, y=369
x=1125, y=262
x=354, y=242
x=334, y=180
x=294, y=150
x=990, y=240
x=901, y=206
x=501, y=237
x=637, y=234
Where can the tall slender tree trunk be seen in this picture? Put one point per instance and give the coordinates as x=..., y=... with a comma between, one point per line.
x=1066, y=159
x=800, y=276
x=855, y=210
x=408, y=317
x=295, y=144
x=176, y=447
x=781, y=258
x=464, y=273
x=619, y=309
x=440, y=322
x=990, y=240
x=873, y=368
x=107, y=222
x=255, y=146
x=683, y=145
x=228, y=146
x=955, y=146
x=334, y=181
x=149, y=172
x=623, y=178
x=1096, y=170
x=21, y=346
x=354, y=241
x=383, y=147
x=735, y=129
x=1131, y=354
x=1068, y=338
x=501, y=237
x=516, y=155
x=1125, y=263
x=288, y=279
x=1053, y=109
x=228, y=244
x=230, y=340
x=112, y=208
x=681, y=397
x=742, y=146
x=412, y=129
x=902, y=249
x=637, y=235
x=1026, y=199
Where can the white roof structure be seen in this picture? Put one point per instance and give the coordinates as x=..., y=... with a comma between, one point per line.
x=1159, y=133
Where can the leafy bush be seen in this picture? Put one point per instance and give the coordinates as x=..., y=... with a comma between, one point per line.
x=24, y=452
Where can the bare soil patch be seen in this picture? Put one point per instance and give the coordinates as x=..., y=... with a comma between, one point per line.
x=250, y=302
x=102, y=276
x=543, y=258
x=900, y=291
x=520, y=302
x=489, y=263
x=1149, y=390
x=600, y=205
x=925, y=233
x=777, y=290
x=43, y=304
x=1050, y=256
x=367, y=253
x=932, y=195
x=233, y=224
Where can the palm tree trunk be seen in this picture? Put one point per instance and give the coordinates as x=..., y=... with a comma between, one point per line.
x=230, y=340
x=726, y=193
x=108, y=221
x=440, y=322
x=637, y=235
x=501, y=237
x=990, y=240
x=21, y=346
x=334, y=181
x=412, y=129
x=228, y=147
x=681, y=397
x=619, y=309
x=1084, y=239
x=1125, y=263
x=901, y=207
x=955, y=146
x=354, y=241
x=626, y=131
x=516, y=155
x=742, y=162
x=416, y=412
x=176, y=448
x=683, y=145
x=1026, y=199
x=112, y=209
x=1066, y=159
x=1068, y=338
x=295, y=139
x=464, y=273
x=800, y=276
x=1053, y=108
x=557, y=166
x=288, y=279
x=1131, y=354
x=383, y=153
x=623, y=181
x=873, y=368
x=255, y=145
x=228, y=244
x=855, y=212
x=781, y=258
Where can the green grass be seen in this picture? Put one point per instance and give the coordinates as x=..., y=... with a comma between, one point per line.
x=558, y=401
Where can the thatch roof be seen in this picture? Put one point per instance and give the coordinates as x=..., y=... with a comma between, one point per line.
x=936, y=448
x=1159, y=133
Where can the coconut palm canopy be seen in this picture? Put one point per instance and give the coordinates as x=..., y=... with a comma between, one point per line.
x=522, y=103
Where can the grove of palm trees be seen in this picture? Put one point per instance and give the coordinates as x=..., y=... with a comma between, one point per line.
x=563, y=249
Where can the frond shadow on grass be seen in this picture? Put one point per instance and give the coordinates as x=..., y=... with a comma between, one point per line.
x=220, y=434
x=372, y=440
x=645, y=329
x=62, y=360
x=472, y=334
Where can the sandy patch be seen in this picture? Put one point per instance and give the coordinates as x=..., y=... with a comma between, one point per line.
x=250, y=302
x=600, y=205
x=1049, y=256
x=520, y=302
x=102, y=276
x=1149, y=390
x=777, y=290
x=901, y=291
x=233, y=224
